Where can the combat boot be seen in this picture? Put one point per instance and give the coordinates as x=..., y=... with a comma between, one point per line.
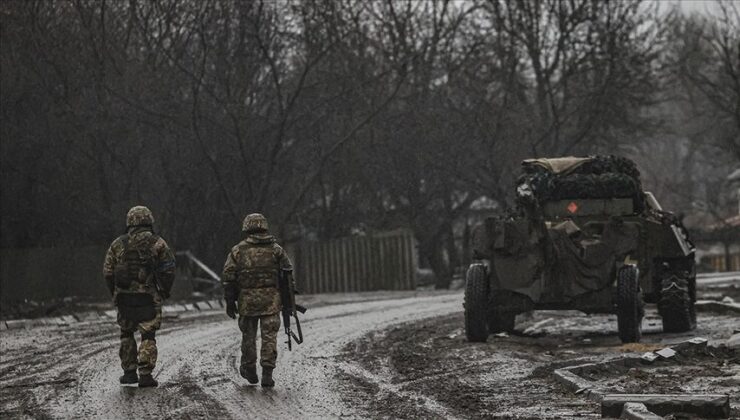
x=267, y=381
x=129, y=377
x=147, y=381
x=249, y=373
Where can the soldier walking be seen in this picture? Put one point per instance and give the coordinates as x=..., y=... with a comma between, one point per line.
x=139, y=272
x=250, y=278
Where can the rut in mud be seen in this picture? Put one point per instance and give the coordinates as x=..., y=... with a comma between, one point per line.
x=72, y=372
x=401, y=358
x=428, y=369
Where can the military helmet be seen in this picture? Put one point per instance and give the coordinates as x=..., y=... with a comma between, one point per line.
x=139, y=216
x=254, y=222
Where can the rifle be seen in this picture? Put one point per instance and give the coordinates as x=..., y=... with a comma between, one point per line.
x=290, y=308
x=155, y=280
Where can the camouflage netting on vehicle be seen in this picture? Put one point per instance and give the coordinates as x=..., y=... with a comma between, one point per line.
x=599, y=177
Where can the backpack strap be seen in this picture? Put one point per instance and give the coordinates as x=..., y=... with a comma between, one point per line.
x=152, y=256
x=124, y=240
x=153, y=239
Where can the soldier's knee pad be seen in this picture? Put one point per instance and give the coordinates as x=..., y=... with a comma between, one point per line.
x=127, y=334
x=148, y=335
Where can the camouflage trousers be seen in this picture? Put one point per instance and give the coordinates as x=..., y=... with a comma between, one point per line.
x=145, y=358
x=269, y=326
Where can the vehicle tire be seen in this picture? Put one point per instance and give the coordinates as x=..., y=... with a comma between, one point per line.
x=501, y=322
x=629, y=304
x=676, y=305
x=476, y=303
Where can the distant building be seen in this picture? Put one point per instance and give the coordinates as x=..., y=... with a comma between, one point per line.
x=719, y=244
x=734, y=180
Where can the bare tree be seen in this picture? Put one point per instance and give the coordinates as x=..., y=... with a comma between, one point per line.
x=332, y=117
x=708, y=64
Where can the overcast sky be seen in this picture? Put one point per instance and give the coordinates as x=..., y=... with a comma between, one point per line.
x=702, y=6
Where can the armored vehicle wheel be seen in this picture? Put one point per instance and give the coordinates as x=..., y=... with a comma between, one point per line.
x=629, y=304
x=476, y=303
x=501, y=322
x=676, y=305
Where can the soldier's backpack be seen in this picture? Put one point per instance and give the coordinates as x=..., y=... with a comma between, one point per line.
x=136, y=265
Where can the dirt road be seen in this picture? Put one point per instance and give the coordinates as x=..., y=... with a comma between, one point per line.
x=428, y=370
x=71, y=372
x=388, y=358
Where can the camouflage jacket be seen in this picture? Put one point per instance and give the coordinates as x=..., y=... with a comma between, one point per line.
x=252, y=267
x=164, y=265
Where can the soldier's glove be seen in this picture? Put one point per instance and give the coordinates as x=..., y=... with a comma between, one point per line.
x=231, y=309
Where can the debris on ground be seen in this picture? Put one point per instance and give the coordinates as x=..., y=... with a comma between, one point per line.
x=617, y=382
x=512, y=375
x=666, y=353
x=638, y=411
x=717, y=306
x=649, y=357
x=701, y=405
x=734, y=341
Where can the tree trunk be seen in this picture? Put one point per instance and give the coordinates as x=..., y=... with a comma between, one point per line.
x=453, y=256
x=466, y=251
x=727, y=255
x=433, y=251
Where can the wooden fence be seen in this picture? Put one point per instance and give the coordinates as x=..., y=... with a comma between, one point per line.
x=378, y=262
x=724, y=263
x=384, y=261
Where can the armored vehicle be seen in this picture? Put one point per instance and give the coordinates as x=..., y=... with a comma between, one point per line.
x=584, y=236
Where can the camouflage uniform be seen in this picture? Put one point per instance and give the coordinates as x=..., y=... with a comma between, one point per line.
x=139, y=234
x=250, y=277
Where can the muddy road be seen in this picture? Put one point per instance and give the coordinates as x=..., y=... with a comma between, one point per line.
x=72, y=372
x=428, y=370
x=395, y=357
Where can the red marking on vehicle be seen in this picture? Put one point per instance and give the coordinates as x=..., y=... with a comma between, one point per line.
x=572, y=207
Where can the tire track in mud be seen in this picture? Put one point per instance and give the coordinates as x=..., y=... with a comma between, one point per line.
x=427, y=369
x=305, y=377
x=198, y=368
x=385, y=384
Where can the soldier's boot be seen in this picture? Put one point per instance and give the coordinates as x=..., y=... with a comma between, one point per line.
x=147, y=381
x=147, y=359
x=129, y=377
x=249, y=373
x=267, y=380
